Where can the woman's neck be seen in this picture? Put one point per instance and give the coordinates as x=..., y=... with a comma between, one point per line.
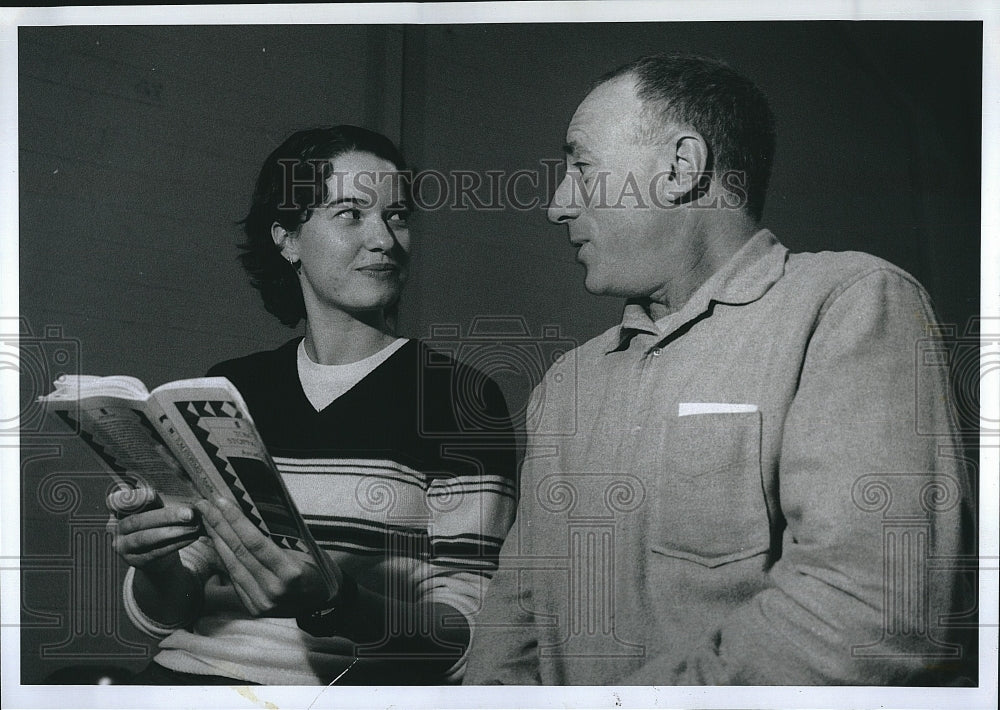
x=344, y=339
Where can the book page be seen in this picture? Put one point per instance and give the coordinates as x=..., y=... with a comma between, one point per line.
x=122, y=435
x=80, y=386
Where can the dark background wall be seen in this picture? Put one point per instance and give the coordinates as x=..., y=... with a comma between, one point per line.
x=139, y=147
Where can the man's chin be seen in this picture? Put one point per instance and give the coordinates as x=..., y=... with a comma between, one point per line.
x=599, y=287
x=596, y=286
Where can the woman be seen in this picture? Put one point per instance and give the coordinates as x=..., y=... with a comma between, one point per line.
x=402, y=471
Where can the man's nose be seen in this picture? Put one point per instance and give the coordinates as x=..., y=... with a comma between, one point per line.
x=565, y=206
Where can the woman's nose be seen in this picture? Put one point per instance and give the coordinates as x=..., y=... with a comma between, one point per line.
x=379, y=236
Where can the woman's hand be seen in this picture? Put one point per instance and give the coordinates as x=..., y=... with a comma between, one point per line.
x=269, y=580
x=147, y=534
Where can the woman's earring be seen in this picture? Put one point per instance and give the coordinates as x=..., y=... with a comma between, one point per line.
x=297, y=265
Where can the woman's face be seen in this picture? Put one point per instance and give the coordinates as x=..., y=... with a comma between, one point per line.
x=355, y=248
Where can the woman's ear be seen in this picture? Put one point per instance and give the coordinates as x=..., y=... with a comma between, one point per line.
x=286, y=243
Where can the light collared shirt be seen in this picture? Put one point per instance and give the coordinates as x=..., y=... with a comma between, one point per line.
x=763, y=487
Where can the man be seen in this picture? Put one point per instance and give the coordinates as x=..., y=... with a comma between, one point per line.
x=733, y=489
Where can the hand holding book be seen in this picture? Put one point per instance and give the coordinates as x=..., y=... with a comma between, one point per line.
x=270, y=580
x=148, y=535
x=188, y=440
x=145, y=531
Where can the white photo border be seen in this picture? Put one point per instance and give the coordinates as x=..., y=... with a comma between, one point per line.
x=17, y=696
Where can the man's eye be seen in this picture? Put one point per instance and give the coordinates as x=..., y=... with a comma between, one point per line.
x=583, y=172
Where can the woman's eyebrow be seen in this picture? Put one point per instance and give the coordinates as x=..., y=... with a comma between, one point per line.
x=347, y=199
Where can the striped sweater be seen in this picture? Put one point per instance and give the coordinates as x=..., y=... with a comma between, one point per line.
x=407, y=480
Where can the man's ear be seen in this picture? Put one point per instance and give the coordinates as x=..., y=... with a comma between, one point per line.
x=685, y=166
x=286, y=243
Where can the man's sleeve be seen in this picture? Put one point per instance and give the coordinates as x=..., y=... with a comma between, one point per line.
x=872, y=493
x=503, y=646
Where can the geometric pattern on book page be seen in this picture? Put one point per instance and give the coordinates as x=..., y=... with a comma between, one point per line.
x=97, y=447
x=193, y=412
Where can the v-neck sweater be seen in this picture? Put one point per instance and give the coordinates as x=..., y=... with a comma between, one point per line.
x=407, y=480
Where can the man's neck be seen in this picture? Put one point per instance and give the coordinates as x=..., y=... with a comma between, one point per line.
x=714, y=235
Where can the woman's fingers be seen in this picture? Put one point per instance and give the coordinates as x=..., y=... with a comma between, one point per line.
x=148, y=539
x=147, y=544
x=144, y=560
x=144, y=530
x=153, y=529
x=243, y=537
x=125, y=501
x=174, y=515
x=268, y=578
x=248, y=575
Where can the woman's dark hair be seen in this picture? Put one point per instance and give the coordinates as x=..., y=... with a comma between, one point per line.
x=291, y=183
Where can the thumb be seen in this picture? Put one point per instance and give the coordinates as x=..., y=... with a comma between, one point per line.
x=126, y=500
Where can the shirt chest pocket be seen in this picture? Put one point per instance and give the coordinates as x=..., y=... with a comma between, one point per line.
x=710, y=505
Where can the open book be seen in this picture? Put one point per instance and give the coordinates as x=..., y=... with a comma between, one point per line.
x=187, y=440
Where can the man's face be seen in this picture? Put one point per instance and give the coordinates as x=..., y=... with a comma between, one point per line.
x=612, y=197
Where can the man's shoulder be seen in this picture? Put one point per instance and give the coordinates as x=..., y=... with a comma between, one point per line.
x=599, y=344
x=576, y=361
x=834, y=271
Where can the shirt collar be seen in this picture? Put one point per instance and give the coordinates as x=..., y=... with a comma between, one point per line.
x=747, y=276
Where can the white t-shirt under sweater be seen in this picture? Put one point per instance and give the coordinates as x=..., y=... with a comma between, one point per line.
x=324, y=383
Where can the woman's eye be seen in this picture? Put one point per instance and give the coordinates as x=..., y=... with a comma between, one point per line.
x=351, y=214
x=398, y=219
